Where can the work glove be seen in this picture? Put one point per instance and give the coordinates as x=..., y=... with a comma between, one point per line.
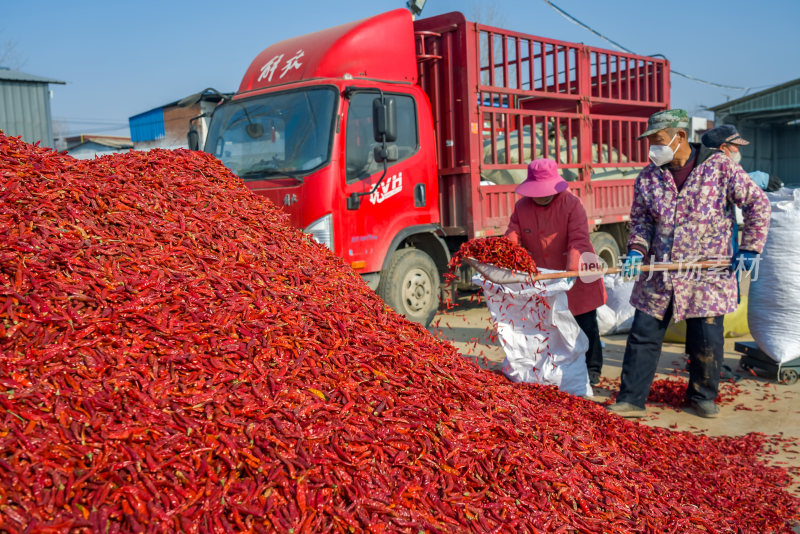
x=633, y=264
x=744, y=260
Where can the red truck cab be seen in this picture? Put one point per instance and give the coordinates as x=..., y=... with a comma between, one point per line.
x=300, y=132
x=303, y=130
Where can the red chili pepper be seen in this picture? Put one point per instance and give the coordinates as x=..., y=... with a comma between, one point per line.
x=498, y=251
x=192, y=363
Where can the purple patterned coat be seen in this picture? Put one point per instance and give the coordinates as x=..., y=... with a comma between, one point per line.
x=694, y=224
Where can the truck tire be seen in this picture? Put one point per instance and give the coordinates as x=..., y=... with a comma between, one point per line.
x=410, y=285
x=605, y=246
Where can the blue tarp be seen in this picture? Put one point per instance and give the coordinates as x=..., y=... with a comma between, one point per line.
x=760, y=178
x=147, y=126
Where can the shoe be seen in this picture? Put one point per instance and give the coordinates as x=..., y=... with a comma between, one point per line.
x=705, y=408
x=594, y=379
x=627, y=410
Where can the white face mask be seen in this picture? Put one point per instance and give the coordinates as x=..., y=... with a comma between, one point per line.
x=736, y=157
x=662, y=154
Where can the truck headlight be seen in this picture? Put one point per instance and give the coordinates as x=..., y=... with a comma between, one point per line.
x=322, y=230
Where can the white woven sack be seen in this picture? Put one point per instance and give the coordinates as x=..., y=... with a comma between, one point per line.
x=618, y=290
x=774, y=300
x=551, y=353
x=606, y=320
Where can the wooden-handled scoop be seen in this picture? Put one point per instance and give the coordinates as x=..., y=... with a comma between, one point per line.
x=500, y=275
x=657, y=267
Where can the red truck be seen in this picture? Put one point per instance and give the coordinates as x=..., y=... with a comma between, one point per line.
x=393, y=141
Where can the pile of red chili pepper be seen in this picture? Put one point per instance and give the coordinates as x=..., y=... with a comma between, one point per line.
x=173, y=356
x=497, y=251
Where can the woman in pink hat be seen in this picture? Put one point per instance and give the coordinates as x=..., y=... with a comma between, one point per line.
x=551, y=224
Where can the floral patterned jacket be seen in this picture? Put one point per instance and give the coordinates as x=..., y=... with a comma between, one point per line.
x=693, y=225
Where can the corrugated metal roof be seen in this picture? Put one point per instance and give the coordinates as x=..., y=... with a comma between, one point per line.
x=112, y=141
x=768, y=119
x=772, y=102
x=209, y=95
x=93, y=150
x=17, y=76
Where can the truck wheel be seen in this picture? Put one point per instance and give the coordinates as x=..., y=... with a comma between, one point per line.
x=606, y=247
x=410, y=285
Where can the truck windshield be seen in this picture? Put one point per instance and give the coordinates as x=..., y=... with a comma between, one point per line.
x=275, y=135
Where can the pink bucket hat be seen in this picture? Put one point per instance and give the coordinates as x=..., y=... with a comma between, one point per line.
x=543, y=180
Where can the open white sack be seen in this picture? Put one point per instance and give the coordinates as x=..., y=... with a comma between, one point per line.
x=616, y=315
x=553, y=352
x=773, y=311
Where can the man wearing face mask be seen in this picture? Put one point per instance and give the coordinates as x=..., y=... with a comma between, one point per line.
x=551, y=224
x=727, y=139
x=683, y=211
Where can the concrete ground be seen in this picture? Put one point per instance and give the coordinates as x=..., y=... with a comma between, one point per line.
x=761, y=405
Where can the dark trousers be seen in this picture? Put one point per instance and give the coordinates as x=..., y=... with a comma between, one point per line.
x=594, y=356
x=704, y=345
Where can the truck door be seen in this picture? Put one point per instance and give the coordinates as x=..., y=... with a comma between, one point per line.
x=401, y=201
x=361, y=167
x=391, y=206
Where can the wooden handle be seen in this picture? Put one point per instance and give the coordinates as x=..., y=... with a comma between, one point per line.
x=658, y=267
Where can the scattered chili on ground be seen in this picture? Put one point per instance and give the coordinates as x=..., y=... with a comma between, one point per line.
x=672, y=391
x=174, y=357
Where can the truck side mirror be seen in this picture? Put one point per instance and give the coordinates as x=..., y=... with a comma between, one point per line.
x=390, y=153
x=193, y=138
x=384, y=119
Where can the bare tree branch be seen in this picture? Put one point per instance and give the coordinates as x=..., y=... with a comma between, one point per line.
x=487, y=13
x=10, y=57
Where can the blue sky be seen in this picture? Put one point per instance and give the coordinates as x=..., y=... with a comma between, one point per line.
x=122, y=58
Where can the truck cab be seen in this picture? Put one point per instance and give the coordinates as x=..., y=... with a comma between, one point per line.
x=301, y=131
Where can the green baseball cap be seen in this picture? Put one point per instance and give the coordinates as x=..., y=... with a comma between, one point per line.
x=671, y=118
